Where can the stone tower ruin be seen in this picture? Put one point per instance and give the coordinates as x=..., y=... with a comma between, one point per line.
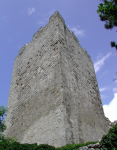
x=54, y=96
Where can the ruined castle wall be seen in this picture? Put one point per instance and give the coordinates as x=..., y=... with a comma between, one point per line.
x=35, y=110
x=54, y=97
x=81, y=93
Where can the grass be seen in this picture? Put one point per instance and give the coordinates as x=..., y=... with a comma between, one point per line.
x=72, y=146
x=75, y=146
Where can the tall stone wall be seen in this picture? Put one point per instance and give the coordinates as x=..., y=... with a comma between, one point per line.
x=54, y=97
x=83, y=104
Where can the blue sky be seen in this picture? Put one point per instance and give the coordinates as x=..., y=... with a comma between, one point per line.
x=20, y=20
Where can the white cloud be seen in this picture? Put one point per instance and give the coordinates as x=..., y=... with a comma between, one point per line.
x=104, y=89
x=31, y=10
x=77, y=32
x=110, y=110
x=99, y=56
x=100, y=62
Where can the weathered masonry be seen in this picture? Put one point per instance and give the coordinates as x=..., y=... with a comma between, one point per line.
x=54, y=96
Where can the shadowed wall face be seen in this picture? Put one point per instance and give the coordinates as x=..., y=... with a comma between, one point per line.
x=54, y=97
x=81, y=95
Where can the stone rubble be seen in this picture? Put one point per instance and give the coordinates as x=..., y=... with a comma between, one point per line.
x=91, y=147
x=111, y=124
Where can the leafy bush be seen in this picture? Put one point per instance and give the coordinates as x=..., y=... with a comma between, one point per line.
x=8, y=140
x=17, y=146
x=74, y=146
x=109, y=141
x=11, y=144
x=45, y=147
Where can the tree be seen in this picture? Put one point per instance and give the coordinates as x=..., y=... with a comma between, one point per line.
x=108, y=12
x=2, y=123
x=3, y=126
x=109, y=141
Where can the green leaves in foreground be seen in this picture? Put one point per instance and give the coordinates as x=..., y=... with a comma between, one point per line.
x=108, y=12
x=109, y=141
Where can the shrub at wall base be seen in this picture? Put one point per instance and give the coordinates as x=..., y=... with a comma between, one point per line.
x=109, y=141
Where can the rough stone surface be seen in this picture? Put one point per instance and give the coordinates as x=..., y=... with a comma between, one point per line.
x=114, y=123
x=54, y=96
x=97, y=145
x=111, y=124
x=83, y=148
x=91, y=147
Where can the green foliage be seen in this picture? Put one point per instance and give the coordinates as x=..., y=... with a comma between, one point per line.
x=8, y=140
x=46, y=147
x=108, y=12
x=74, y=146
x=2, y=112
x=113, y=44
x=18, y=146
x=3, y=127
x=109, y=141
x=10, y=143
